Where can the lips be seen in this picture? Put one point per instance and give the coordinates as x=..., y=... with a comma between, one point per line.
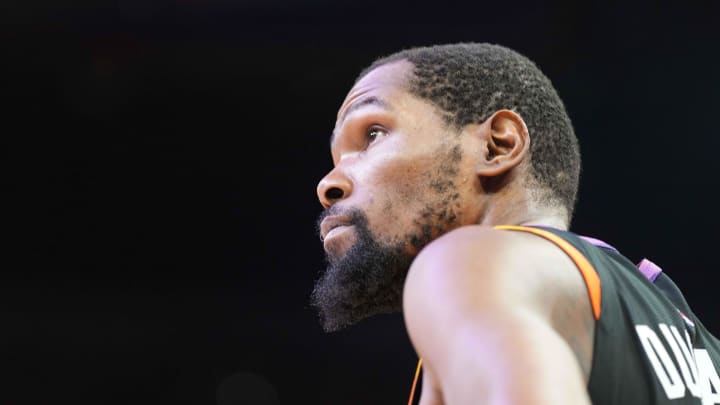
x=330, y=223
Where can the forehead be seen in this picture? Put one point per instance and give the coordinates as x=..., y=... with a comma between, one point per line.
x=381, y=83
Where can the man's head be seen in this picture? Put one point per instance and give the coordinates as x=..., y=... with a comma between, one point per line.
x=427, y=140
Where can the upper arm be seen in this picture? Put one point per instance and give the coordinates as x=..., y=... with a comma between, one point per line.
x=479, y=312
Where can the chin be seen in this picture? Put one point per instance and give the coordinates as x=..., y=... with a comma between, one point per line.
x=364, y=276
x=366, y=279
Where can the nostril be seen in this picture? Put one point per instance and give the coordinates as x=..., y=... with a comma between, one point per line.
x=333, y=193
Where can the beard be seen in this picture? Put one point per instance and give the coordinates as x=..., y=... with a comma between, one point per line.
x=367, y=280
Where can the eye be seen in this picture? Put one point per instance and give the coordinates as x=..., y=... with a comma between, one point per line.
x=374, y=133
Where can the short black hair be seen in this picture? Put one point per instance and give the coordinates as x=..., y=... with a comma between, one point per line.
x=468, y=82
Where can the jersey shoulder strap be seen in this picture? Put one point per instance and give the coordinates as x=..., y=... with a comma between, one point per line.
x=588, y=272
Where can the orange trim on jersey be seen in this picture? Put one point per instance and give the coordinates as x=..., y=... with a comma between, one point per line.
x=415, y=380
x=592, y=280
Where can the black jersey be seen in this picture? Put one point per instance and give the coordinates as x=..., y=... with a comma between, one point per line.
x=649, y=346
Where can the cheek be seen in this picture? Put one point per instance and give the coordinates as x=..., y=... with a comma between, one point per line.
x=400, y=198
x=409, y=197
x=401, y=185
x=381, y=189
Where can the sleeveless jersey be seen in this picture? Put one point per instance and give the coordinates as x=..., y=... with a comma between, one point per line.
x=649, y=346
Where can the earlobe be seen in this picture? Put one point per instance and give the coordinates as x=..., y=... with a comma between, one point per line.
x=507, y=143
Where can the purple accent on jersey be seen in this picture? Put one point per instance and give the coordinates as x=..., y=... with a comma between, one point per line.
x=649, y=269
x=597, y=242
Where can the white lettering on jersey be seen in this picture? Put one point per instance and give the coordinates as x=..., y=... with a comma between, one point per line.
x=665, y=370
x=709, y=380
x=682, y=352
x=699, y=375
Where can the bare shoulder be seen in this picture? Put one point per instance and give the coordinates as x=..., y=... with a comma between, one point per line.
x=500, y=258
x=477, y=270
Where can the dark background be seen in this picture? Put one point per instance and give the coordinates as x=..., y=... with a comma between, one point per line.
x=159, y=164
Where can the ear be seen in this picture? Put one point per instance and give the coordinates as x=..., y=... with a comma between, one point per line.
x=507, y=143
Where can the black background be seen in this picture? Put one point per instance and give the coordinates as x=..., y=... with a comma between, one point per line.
x=159, y=164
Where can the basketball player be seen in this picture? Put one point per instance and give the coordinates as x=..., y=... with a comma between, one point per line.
x=456, y=170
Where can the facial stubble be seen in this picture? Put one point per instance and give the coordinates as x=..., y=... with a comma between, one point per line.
x=368, y=278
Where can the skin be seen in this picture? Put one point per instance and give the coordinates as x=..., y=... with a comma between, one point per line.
x=498, y=317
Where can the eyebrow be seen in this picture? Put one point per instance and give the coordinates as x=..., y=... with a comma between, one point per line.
x=372, y=100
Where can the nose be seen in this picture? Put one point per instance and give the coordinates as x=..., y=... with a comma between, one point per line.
x=333, y=187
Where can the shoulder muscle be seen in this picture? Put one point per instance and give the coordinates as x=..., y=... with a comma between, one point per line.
x=472, y=288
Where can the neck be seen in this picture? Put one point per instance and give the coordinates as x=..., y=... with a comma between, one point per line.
x=550, y=221
x=524, y=210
